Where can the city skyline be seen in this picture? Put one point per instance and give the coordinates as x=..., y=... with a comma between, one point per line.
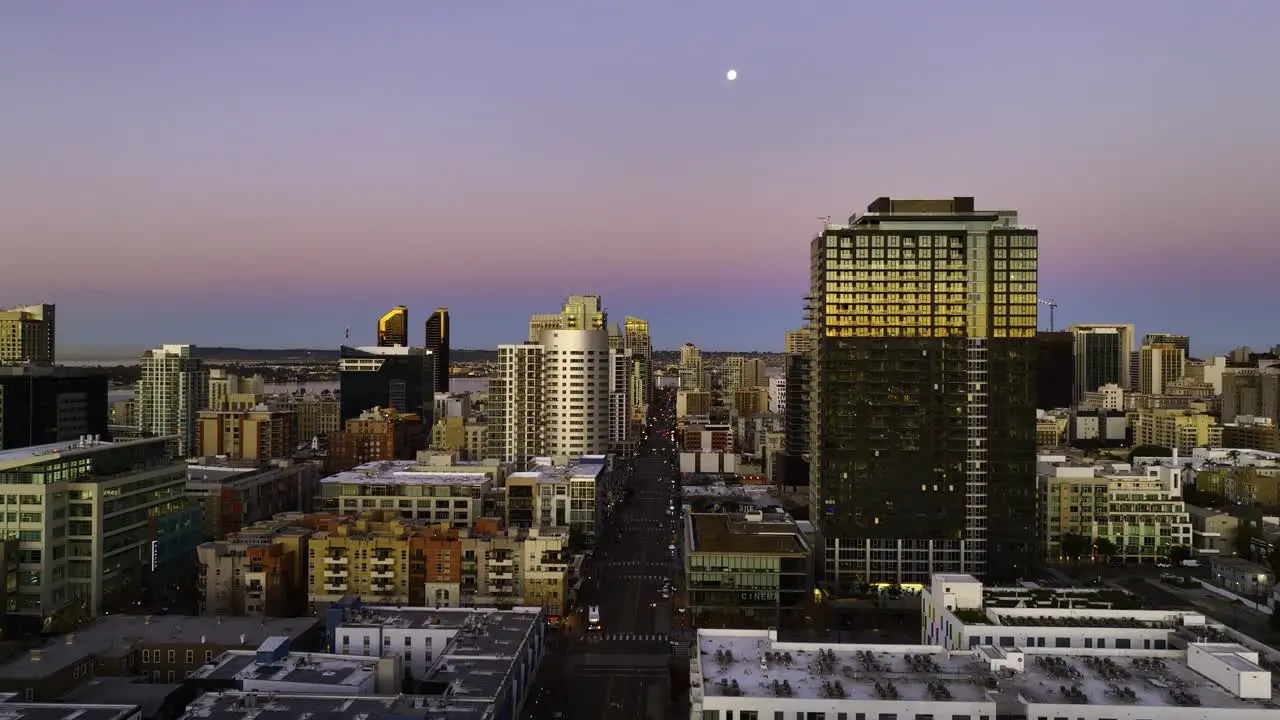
x=270, y=152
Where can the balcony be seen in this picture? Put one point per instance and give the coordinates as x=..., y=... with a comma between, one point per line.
x=335, y=587
x=336, y=560
x=502, y=562
x=383, y=588
x=500, y=575
x=335, y=573
x=387, y=560
x=382, y=574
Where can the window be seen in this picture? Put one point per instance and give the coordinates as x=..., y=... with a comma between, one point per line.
x=208, y=656
x=191, y=656
x=1122, y=643
x=146, y=656
x=173, y=656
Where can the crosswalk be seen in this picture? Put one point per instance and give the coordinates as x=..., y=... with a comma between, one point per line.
x=629, y=637
x=637, y=563
x=641, y=576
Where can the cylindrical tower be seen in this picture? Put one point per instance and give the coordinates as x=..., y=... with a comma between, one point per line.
x=576, y=397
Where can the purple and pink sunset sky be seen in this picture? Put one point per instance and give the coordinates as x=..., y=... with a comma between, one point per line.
x=267, y=174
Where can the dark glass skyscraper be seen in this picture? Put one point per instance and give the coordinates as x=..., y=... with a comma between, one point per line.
x=922, y=402
x=1055, y=370
x=41, y=405
x=389, y=377
x=393, y=328
x=438, y=343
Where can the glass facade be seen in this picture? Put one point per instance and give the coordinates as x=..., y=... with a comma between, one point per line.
x=38, y=408
x=400, y=381
x=742, y=590
x=922, y=402
x=438, y=343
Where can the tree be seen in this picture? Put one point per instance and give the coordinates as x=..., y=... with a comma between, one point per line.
x=1075, y=546
x=577, y=537
x=1178, y=553
x=1149, y=451
x=1105, y=548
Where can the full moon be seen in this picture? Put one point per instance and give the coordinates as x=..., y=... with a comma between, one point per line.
x=732, y=74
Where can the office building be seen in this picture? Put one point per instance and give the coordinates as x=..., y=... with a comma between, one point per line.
x=1251, y=391
x=82, y=554
x=398, y=378
x=925, y=315
x=235, y=494
x=393, y=328
x=437, y=343
x=28, y=335
x=794, y=466
x=257, y=433
x=515, y=408
x=799, y=342
x=316, y=415
x=1103, y=355
x=693, y=375
x=636, y=338
x=746, y=570
x=1158, y=366
x=173, y=389
x=1140, y=510
x=576, y=392
x=40, y=404
x=225, y=385
x=1252, y=433
x=1055, y=370
x=1182, y=342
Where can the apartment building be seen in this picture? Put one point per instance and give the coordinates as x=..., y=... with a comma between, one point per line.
x=453, y=405
x=378, y=434
x=622, y=438
x=28, y=335
x=751, y=401
x=1180, y=430
x=376, y=555
x=96, y=522
x=636, y=339
x=256, y=433
x=561, y=492
x=437, y=488
x=173, y=389
x=1247, y=485
x=515, y=567
x=581, y=312
x=1140, y=510
x=224, y=385
x=576, y=397
x=515, y=409
x=1106, y=397
x=235, y=494
x=778, y=394
x=693, y=374
x=316, y=415
x=260, y=571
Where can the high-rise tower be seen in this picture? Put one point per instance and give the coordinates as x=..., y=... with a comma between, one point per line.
x=393, y=328
x=172, y=391
x=636, y=338
x=28, y=335
x=438, y=343
x=922, y=398
x=1103, y=355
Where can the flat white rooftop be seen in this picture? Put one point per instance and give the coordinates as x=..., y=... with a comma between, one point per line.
x=748, y=663
x=297, y=668
x=588, y=467
x=407, y=472
x=49, y=451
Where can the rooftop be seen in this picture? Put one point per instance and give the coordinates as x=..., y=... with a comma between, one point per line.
x=301, y=668
x=407, y=472
x=118, y=635
x=746, y=533
x=251, y=706
x=483, y=643
x=10, y=710
x=50, y=451
x=588, y=467
x=748, y=663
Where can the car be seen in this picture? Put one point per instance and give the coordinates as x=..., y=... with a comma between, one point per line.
x=1162, y=563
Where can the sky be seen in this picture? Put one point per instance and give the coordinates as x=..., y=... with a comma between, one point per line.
x=268, y=174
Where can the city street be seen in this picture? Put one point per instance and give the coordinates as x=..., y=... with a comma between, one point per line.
x=622, y=671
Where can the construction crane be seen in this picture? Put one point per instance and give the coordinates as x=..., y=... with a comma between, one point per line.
x=1052, y=307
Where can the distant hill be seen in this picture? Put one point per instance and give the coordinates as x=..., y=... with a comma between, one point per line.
x=304, y=356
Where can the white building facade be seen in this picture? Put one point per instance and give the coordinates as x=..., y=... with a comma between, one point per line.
x=174, y=388
x=576, y=371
